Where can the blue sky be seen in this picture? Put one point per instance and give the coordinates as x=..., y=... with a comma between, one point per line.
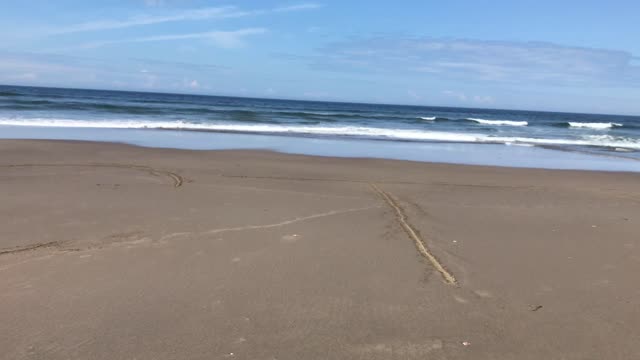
x=566, y=55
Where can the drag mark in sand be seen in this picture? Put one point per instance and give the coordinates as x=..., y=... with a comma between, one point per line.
x=29, y=248
x=286, y=178
x=58, y=247
x=413, y=234
x=175, y=178
x=289, y=222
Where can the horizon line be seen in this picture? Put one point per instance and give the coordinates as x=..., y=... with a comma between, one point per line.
x=319, y=101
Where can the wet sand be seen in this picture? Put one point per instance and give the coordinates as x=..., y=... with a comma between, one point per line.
x=110, y=251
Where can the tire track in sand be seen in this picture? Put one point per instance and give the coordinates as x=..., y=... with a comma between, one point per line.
x=19, y=249
x=175, y=178
x=401, y=217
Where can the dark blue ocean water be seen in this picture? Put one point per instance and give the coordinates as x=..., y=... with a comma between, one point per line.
x=72, y=108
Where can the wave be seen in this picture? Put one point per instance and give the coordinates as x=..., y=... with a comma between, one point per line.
x=435, y=119
x=136, y=108
x=8, y=93
x=499, y=122
x=337, y=131
x=605, y=142
x=477, y=121
x=133, y=109
x=48, y=105
x=596, y=126
x=353, y=131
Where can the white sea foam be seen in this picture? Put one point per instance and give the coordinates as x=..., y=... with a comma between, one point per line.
x=518, y=144
x=351, y=131
x=596, y=140
x=363, y=131
x=596, y=126
x=499, y=122
x=428, y=118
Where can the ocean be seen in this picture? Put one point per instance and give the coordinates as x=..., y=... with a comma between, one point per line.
x=608, y=136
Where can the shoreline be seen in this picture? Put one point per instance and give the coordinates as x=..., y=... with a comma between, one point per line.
x=272, y=152
x=549, y=143
x=114, y=251
x=482, y=154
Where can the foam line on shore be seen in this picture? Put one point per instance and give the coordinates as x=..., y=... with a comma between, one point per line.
x=335, y=131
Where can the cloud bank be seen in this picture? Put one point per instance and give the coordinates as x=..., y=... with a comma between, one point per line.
x=127, y=73
x=490, y=61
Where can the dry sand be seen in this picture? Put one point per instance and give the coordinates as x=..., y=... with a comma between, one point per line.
x=110, y=251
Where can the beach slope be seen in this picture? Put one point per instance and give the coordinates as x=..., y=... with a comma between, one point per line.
x=109, y=251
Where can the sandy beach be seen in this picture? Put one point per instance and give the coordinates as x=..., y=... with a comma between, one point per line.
x=110, y=251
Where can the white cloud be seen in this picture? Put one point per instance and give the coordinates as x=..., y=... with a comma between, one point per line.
x=483, y=99
x=72, y=71
x=226, y=39
x=316, y=94
x=194, y=84
x=141, y=20
x=28, y=76
x=154, y=3
x=21, y=64
x=221, y=12
x=461, y=97
x=305, y=6
x=479, y=60
x=455, y=94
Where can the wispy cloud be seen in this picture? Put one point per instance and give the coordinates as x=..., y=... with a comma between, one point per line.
x=209, y=13
x=180, y=65
x=226, y=39
x=455, y=94
x=154, y=2
x=191, y=84
x=75, y=71
x=141, y=20
x=298, y=7
x=461, y=97
x=488, y=61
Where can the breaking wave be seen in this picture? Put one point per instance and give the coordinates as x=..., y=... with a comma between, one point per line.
x=596, y=126
x=499, y=122
x=335, y=131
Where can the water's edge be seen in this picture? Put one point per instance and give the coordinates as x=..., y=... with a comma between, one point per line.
x=431, y=152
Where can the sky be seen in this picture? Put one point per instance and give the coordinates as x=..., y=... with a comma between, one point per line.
x=569, y=55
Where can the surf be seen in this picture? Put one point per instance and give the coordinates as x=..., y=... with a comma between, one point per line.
x=499, y=122
x=595, y=126
x=353, y=131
